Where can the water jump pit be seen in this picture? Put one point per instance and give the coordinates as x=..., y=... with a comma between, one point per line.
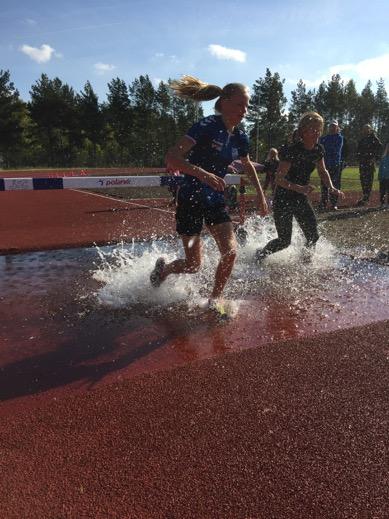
x=118, y=400
x=75, y=319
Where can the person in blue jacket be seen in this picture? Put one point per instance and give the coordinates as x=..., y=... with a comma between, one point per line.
x=383, y=177
x=203, y=156
x=333, y=145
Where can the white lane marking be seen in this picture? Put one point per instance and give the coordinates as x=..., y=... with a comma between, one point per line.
x=127, y=202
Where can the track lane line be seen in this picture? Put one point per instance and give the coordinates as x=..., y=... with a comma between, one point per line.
x=123, y=201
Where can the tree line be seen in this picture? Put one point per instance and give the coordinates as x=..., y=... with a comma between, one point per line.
x=136, y=124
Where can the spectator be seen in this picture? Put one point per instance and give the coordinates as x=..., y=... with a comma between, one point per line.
x=270, y=168
x=383, y=177
x=368, y=151
x=345, y=151
x=333, y=145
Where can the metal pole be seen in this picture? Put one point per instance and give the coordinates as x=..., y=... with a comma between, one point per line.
x=257, y=142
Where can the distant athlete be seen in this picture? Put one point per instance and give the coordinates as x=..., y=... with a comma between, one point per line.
x=297, y=162
x=270, y=168
x=203, y=155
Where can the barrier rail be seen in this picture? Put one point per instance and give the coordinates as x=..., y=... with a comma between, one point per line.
x=31, y=184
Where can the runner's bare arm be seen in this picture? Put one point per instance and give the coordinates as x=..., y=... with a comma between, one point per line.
x=176, y=159
x=326, y=179
x=251, y=172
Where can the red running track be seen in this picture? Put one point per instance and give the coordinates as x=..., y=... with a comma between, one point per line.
x=278, y=413
x=41, y=220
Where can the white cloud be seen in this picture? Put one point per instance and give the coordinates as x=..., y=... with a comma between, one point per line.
x=30, y=21
x=314, y=83
x=221, y=52
x=156, y=81
x=40, y=55
x=372, y=68
x=101, y=68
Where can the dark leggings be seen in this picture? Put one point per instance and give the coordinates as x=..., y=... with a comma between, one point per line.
x=284, y=209
x=366, y=175
x=384, y=190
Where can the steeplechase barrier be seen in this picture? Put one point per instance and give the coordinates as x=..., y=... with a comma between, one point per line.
x=32, y=184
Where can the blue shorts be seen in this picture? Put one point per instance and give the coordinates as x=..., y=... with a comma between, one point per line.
x=192, y=213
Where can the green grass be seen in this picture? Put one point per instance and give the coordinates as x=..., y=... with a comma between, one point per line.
x=350, y=180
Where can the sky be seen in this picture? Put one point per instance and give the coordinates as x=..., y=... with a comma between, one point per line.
x=218, y=41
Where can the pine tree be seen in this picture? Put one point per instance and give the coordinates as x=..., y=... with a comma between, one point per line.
x=12, y=113
x=119, y=116
x=91, y=119
x=301, y=102
x=351, y=99
x=266, y=112
x=366, y=105
x=53, y=109
x=320, y=99
x=145, y=147
x=334, y=99
x=381, y=107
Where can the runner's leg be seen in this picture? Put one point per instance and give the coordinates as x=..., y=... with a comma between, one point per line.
x=191, y=263
x=283, y=219
x=225, y=238
x=306, y=219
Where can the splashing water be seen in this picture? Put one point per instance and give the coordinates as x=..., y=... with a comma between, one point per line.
x=124, y=271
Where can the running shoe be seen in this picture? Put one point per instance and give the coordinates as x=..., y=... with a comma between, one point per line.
x=217, y=307
x=156, y=274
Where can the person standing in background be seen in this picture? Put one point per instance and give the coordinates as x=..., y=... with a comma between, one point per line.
x=383, y=177
x=270, y=169
x=333, y=145
x=368, y=151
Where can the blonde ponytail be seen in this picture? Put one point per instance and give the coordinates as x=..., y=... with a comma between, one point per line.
x=193, y=88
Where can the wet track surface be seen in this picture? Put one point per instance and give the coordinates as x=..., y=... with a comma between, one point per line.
x=118, y=401
x=57, y=335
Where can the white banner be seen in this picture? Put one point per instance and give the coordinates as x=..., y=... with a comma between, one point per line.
x=23, y=184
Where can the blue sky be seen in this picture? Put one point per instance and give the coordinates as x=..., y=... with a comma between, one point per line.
x=217, y=41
